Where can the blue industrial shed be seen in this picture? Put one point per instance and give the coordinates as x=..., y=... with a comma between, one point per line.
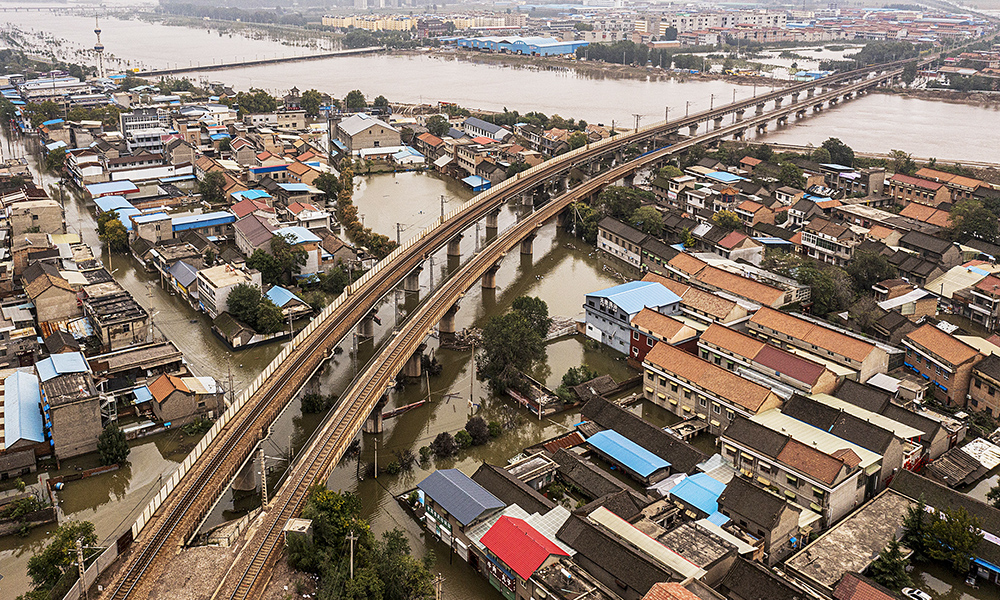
x=635, y=460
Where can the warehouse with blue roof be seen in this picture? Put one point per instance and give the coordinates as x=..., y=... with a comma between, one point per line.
x=534, y=46
x=699, y=495
x=634, y=460
x=609, y=312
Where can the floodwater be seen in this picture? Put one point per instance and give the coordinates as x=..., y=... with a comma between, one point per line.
x=876, y=123
x=560, y=271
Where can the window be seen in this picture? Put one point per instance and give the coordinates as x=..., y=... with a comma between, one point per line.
x=663, y=380
x=673, y=387
x=704, y=354
x=792, y=480
x=716, y=408
x=635, y=335
x=687, y=394
x=978, y=383
x=649, y=375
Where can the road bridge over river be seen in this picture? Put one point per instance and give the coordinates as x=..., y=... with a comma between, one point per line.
x=239, y=64
x=175, y=514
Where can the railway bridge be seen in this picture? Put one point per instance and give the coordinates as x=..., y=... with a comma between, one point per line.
x=176, y=513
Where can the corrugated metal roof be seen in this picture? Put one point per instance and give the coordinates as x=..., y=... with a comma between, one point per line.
x=633, y=296
x=142, y=394
x=112, y=188
x=301, y=235
x=701, y=491
x=458, y=494
x=184, y=273
x=281, y=296
x=626, y=452
x=61, y=364
x=108, y=203
x=22, y=416
x=813, y=437
x=519, y=545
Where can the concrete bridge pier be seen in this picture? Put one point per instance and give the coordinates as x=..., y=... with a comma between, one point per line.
x=693, y=130
x=366, y=328
x=795, y=97
x=455, y=246
x=411, y=283
x=760, y=109
x=800, y=113
x=777, y=102
x=528, y=199
x=564, y=220
x=740, y=113
x=564, y=183
x=810, y=92
x=447, y=325
x=492, y=224
x=834, y=101
x=526, y=244
x=414, y=365
x=783, y=120
x=246, y=480
x=761, y=127
x=374, y=422
x=490, y=277
x=738, y=135
x=718, y=122
x=817, y=107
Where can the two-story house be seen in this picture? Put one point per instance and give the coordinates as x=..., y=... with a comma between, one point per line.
x=609, y=312
x=942, y=359
x=829, y=242
x=620, y=240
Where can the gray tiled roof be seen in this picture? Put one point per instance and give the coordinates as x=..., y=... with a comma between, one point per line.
x=462, y=497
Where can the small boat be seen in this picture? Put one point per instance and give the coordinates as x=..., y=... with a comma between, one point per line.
x=193, y=321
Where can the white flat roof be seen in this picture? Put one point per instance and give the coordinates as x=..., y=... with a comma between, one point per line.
x=813, y=437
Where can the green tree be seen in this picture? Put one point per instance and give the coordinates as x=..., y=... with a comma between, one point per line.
x=256, y=101
x=791, y=176
x=444, y=445
x=311, y=101
x=909, y=72
x=840, y=153
x=212, y=187
x=953, y=538
x=463, y=439
x=380, y=102
x=831, y=289
x=267, y=264
x=868, y=268
x=902, y=162
x=727, y=220
x=243, y=300
x=355, y=100
x=971, y=220
x=993, y=496
x=478, y=430
x=438, y=125
x=329, y=184
x=648, y=219
x=269, y=318
x=669, y=172
x=687, y=239
x=889, y=569
x=511, y=345
x=59, y=555
x=620, y=202
x=112, y=446
x=915, y=529
x=290, y=256
x=585, y=220
x=55, y=160
x=115, y=236
x=573, y=377
x=577, y=139
x=821, y=155
x=535, y=310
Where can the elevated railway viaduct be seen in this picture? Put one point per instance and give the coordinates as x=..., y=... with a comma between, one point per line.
x=174, y=516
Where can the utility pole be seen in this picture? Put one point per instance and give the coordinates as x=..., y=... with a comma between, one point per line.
x=442, y=206
x=398, y=230
x=376, y=457
x=472, y=377
x=351, y=537
x=638, y=117
x=711, y=102
x=438, y=581
x=666, y=114
x=687, y=107
x=263, y=479
x=79, y=562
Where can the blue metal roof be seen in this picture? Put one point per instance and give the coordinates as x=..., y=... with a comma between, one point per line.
x=142, y=394
x=125, y=213
x=251, y=195
x=634, y=296
x=718, y=518
x=211, y=219
x=724, y=177
x=280, y=296
x=459, y=495
x=61, y=364
x=627, y=453
x=108, y=203
x=22, y=417
x=112, y=187
x=294, y=187
x=300, y=235
x=701, y=491
x=52, y=122
x=177, y=178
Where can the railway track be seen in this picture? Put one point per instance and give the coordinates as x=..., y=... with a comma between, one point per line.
x=322, y=455
x=192, y=498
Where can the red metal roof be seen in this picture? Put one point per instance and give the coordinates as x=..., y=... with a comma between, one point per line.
x=519, y=545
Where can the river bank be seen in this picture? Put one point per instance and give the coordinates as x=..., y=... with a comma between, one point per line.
x=980, y=99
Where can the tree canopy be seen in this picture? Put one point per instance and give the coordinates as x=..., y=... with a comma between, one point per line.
x=437, y=125
x=648, y=219
x=620, y=202
x=59, y=555
x=512, y=343
x=310, y=101
x=728, y=220
x=840, y=153
x=970, y=220
x=112, y=446
x=212, y=187
x=355, y=100
x=889, y=569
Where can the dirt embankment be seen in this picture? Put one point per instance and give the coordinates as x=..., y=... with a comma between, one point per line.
x=593, y=70
x=982, y=99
